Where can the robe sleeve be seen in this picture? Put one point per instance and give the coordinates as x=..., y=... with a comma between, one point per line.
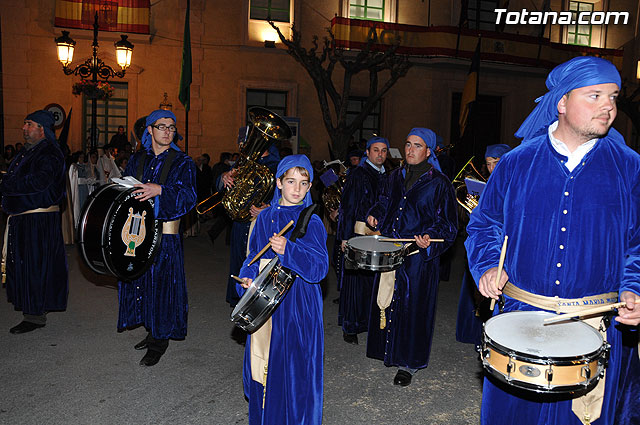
x=178, y=195
x=351, y=197
x=631, y=276
x=308, y=256
x=380, y=208
x=445, y=225
x=45, y=172
x=486, y=222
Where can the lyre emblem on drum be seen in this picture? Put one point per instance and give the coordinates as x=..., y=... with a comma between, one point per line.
x=133, y=232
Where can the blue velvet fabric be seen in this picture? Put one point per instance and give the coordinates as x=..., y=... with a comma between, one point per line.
x=469, y=320
x=428, y=207
x=158, y=299
x=360, y=193
x=37, y=276
x=627, y=411
x=571, y=234
x=240, y=234
x=295, y=376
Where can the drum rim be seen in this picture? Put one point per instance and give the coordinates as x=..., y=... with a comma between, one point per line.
x=82, y=228
x=546, y=360
x=395, y=251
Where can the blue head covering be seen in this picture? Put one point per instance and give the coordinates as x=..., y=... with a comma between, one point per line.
x=152, y=118
x=46, y=120
x=290, y=162
x=496, y=151
x=429, y=138
x=377, y=140
x=579, y=72
x=439, y=141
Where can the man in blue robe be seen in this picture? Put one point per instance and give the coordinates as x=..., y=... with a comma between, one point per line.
x=417, y=202
x=240, y=229
x=283, y=361
x=34, y=256
x=568, y=198
x=360, y=193
x=158, y=299
x=473, y=308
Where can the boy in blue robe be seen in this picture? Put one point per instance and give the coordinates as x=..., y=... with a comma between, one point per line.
x=283, y=379
x=568, y=198
x=158, y=299
x=360, y=193
x=417, y=202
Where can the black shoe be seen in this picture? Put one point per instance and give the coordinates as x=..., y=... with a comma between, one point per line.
x=336, y=301
x=350, y=338
x=142, y=345
x=403, y=378
x=24, y=327
x=151, y=358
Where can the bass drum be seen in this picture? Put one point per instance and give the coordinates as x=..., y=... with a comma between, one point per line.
x=117, y=234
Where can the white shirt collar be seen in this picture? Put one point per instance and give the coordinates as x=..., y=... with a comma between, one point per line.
x=380, y=168
x=573, y=158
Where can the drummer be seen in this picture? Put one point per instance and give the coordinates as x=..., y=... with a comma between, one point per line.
x=418, y=202
x=567, y=198
x=158, y=299
x=283, y=359
x=360, y=192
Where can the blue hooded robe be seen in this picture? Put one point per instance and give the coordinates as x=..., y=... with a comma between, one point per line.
x=427, y=207
x=37, y=276
x=364, y=184
x=571, y=234
x=295, y=368
x=158, y=299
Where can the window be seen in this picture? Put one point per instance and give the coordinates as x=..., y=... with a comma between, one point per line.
x=273, y=100
x=577, y=33
x=370, y=125
x=275, y=10
x=367, y=9
x=111, y=113
x=481, y=14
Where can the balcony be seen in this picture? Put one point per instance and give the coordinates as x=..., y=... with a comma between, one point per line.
x=441, y=42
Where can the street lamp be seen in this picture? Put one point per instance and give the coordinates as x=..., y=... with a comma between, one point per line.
x=94, y=67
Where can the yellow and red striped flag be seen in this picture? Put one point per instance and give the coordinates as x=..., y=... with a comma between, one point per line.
x=113, y=15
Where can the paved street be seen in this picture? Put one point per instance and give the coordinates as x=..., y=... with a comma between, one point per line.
x=80, y=370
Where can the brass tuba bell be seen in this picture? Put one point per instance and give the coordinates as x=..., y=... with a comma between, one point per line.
x=464, y=198
x=253, y=182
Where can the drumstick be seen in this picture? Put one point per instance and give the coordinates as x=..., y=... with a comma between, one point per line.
x=503, y=253
x=237, y=278
x=406, y=240
x=263, y=250
x=587, y=312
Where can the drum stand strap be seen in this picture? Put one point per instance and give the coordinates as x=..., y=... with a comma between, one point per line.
x=556, y=304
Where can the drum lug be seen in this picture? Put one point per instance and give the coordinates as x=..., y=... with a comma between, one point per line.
x=549, y=374
x=511, y=367
x=586, y=372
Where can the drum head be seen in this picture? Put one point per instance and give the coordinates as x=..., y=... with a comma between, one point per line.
x=372, y=244
x=131, y=236
x=525, y=332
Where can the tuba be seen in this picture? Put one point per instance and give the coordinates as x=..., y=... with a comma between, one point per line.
x=253, y=182
x=464, y=198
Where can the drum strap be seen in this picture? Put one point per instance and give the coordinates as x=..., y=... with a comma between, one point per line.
x=3, y=266
x=166, y=166
x=557, y=304
x=361, y=228
x=386, y=287
x=260, y=345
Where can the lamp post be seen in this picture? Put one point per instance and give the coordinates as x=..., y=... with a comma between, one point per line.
x=93, y=67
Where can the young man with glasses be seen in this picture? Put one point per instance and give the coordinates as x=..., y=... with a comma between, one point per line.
x=158, y=299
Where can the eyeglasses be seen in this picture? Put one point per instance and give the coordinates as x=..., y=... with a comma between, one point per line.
x=162, y=127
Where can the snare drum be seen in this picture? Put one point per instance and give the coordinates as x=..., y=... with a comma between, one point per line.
x=263, y=296
x=117, y=234
x=368, y=253
x=565, y=357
